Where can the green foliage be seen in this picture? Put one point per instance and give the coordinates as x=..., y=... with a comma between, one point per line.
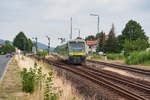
x=28, y=81
x=133, y=31
x=22, y=42
x=42, y=53
x=31, y=78
x=115, y=56
x=7, y=48
x=142, y=57
x=100, y=46
x=29, y=45
x=136, y=45
x=34, y=78
x=97, y=56
x=87, y=55
x=133, y=37
x=120, y=43
x=111, y=44
x=60, y=49
x=90, y=37
x=0, y=50
x=48, y=94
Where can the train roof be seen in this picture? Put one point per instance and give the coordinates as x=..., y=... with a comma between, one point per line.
x=77, y=40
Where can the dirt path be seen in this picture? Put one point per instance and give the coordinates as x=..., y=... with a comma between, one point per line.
x=10, y=88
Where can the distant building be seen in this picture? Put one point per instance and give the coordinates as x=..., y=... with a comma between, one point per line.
x=91, y=46
x=1, y=44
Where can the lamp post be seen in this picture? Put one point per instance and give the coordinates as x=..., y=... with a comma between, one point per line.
x=97, y=21
x=48, y=43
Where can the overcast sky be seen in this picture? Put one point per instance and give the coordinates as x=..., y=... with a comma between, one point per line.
x=52, y=17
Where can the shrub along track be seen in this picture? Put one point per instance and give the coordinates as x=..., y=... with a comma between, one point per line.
x=123, y=67
x=124, y=87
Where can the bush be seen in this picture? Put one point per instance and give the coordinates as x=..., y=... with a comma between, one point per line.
x=34, y=78
x=42, y=53
x=7, y=48
x=31, y=78
x=61, y=50
x=28, y=81
x=142, y=57
x=97, y=56
x=116, y=56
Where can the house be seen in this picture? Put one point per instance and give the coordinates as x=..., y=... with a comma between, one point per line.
x=1, y=44
x=91, y=46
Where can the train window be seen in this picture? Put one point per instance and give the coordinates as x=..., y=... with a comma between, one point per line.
x=77, y=46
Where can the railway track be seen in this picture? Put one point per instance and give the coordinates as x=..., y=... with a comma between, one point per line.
x=123, y=67
x=124, y=87
x=140, y=88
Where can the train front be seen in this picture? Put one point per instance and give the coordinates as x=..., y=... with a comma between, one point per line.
x=77, y=52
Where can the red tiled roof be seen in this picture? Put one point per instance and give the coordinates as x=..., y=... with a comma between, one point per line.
x=91, y=42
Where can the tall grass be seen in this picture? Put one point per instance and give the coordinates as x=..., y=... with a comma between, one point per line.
x=97, y=56
x=142, y=57
x=115, y=56
x=42, y=53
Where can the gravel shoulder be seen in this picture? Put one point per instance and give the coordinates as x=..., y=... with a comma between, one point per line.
x=121, y=62
x=120, y=71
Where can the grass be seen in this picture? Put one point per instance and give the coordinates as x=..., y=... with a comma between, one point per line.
x=97, y=56
x=115, y=56
x=142, y=57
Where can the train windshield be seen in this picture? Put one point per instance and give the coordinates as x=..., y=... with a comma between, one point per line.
x=77, y=46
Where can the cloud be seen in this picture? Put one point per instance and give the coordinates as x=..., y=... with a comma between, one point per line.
x=52, y=17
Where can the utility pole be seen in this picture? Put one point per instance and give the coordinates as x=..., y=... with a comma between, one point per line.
x=48, y=44
x=70, y=28
x=98, y=20
x=36, y=39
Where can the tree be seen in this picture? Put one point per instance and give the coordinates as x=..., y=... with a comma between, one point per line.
x=133, y=37
x=22, y=42
x=133, y=31
x=135, y=45
x=29, y=45
x=120, y=41
x=7, y=48
x=111, y=44
x=101, y=37
x=60, y=49
x=90, y=37
x=98, y=35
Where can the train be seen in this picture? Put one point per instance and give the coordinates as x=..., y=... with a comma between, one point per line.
x=76, y=51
